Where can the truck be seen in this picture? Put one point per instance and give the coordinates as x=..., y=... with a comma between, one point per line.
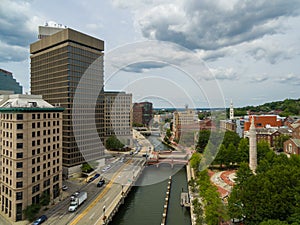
x=77, y=201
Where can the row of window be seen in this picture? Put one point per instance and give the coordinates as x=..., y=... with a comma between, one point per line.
x=38, y=124
x=33, y=116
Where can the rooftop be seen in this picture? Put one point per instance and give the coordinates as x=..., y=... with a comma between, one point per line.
x=20, y=102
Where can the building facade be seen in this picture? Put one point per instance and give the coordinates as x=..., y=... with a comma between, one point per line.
x=9, y=83
x=292, y=146
x=31, y=153
x=262, y=121
x=67, y=69
x=142, y=113
x=118, y=116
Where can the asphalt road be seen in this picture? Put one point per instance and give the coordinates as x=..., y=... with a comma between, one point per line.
x=91, y=212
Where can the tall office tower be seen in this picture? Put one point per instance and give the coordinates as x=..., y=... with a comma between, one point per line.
x=118, y=116
x=67, y=69
x=31, y=153
x=9, y=83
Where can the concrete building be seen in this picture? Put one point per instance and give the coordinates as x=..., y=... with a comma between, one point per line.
x=31, y=153
x=9, y=83
x=118, y=116
x=292, y=146
x=185, y=122
x=67, y=68
x=142, y=113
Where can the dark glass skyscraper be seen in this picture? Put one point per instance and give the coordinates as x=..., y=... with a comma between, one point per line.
x=67, y=67
x=9, y=83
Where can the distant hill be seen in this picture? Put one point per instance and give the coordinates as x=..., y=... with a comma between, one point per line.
x=283, y=108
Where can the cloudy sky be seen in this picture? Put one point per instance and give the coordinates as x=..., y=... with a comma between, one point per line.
x=200, y=52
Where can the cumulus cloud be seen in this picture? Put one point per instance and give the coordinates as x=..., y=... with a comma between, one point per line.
x=211, y=25
x=259, y=78
x=272, y=52
x=223, y=74
x=18, y=26
x=290, y=79
x=142, y=67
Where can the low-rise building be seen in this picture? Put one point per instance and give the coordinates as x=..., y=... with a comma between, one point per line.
x=118, y=116
x=142, y=113
x=31, y=153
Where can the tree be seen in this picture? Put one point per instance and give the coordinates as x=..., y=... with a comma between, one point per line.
x=86, y=168
x=273, y=222
x=231, y=137
x=279, y=140
x=221, y=156
x=243, y=151
x=31, y=211
x=271, y=194
x=195, y=160
x=168, y=133
x=114, y=143
x=45, y=199
x=263, y=148
x=202, y=140
x=231, y=154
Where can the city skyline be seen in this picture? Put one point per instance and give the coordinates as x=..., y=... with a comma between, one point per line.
x=250, y=48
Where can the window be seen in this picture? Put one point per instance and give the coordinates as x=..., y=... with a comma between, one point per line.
x=19, y=116
x=19, y=126
x=35, y=188
x=19, y=145
x=33, y=134
x=19, y=184
x=19, y=164
x=33, y=179
x=38, y=124
x=33, y=161
x=19, y=136
x=33, y=125
x=33, y=170
x=33, y=116
x=19, y=155
x=19, y=174
x=55, y=178
x=19, y=195
x=33, y=143
x=46, y=183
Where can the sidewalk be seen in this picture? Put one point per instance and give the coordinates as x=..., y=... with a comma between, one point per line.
x=190, y=175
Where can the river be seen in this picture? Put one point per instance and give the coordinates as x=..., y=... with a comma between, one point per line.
x=144, y=204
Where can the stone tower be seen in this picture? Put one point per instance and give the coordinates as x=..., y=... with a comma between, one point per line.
x=231, y=111
x=252, y=147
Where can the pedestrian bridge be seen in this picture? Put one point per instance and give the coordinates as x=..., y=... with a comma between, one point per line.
x=172, y=158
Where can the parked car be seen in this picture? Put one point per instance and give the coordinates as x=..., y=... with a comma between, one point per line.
x=91, y=179
x=100, y=183
x=40, y=220
x=96, y=175
x=65, y=187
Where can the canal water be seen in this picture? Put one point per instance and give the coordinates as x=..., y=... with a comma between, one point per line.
x=144, y=204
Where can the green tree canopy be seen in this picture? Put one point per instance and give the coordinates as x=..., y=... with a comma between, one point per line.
x=202, y=140
x=273, y=193
x=113, y=143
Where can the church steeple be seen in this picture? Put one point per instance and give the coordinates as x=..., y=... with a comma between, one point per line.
x=231, y=111
x=252, y=146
